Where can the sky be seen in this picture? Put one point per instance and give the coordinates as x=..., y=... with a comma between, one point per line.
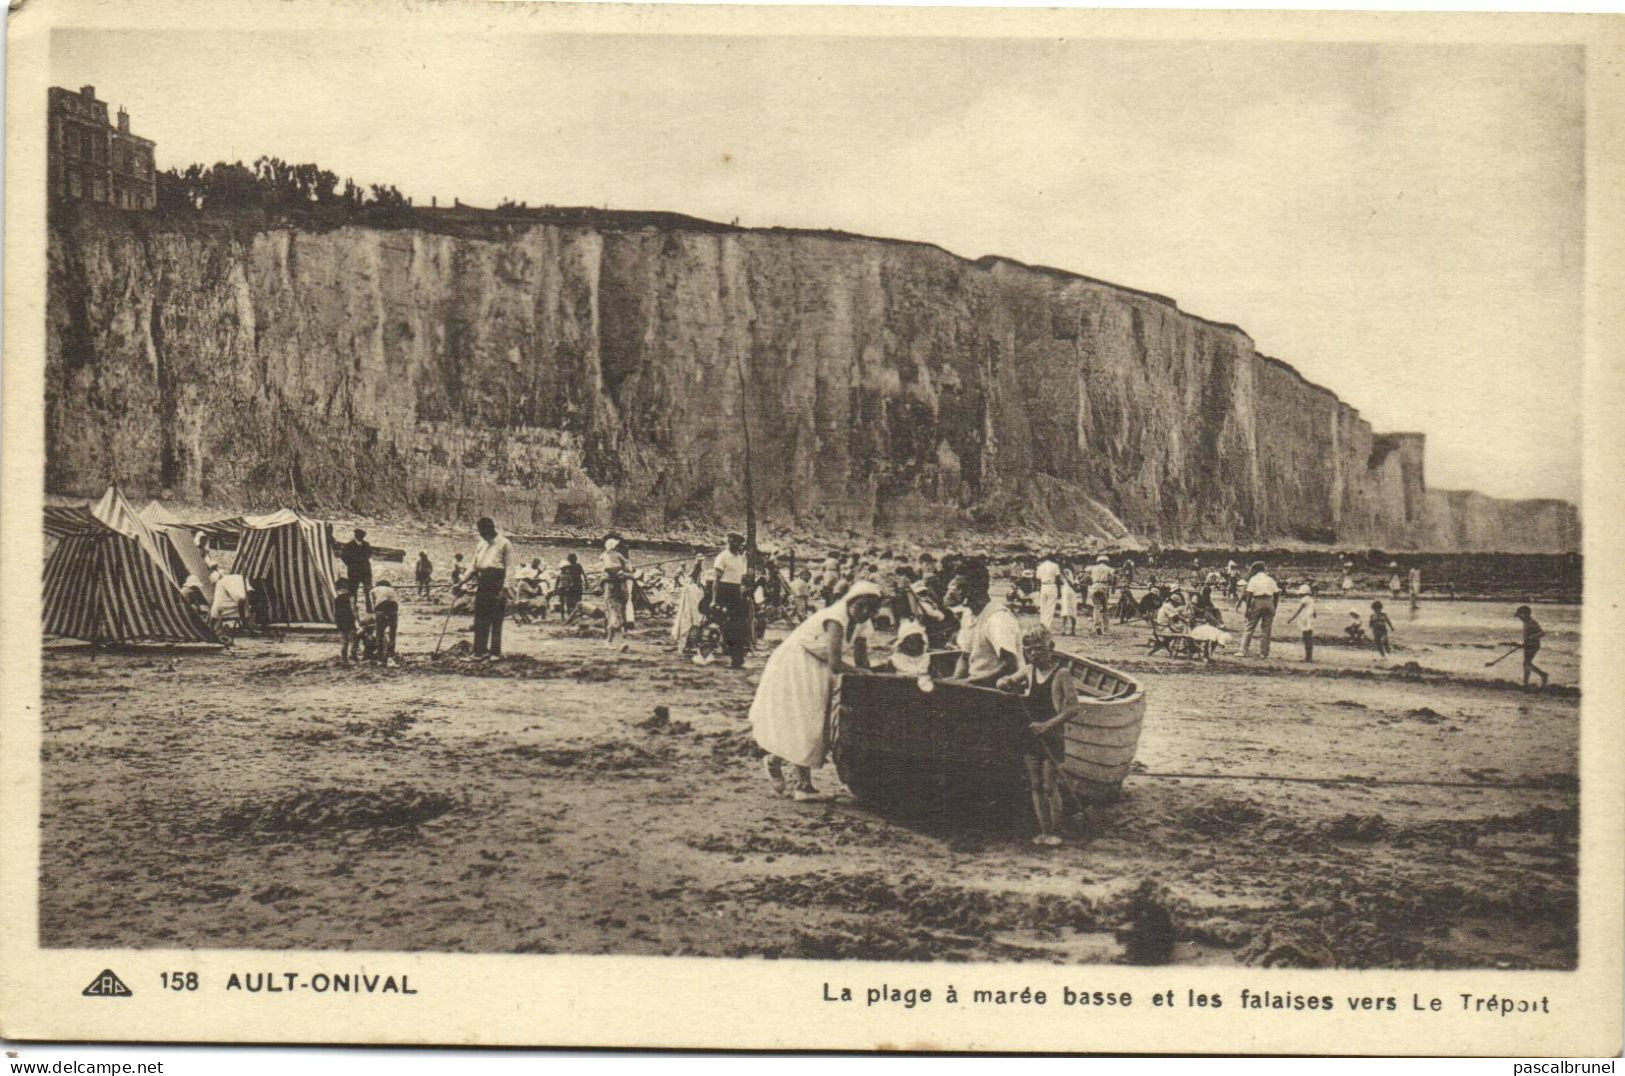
x=1403, y=223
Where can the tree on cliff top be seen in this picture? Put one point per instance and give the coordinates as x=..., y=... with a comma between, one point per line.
x=272, y=185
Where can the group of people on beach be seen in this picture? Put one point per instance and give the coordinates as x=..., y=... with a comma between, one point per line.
x=788, y=712
x=835, y=606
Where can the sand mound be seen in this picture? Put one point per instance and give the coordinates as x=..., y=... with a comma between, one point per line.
x=920, y=902
x=1150, y=934
x=754, y=844
x=337, y=809
x=660, y=722
x=1219, y=817
x=1352, y=827
x=459, y=662
x=613, y=757
x=726, y=746
x=864, y=941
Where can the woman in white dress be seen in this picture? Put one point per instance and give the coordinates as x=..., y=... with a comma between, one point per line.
x=1049, y=591
x=1068, y=611
x=788, y=714
x=687, y=598
x=617, y=591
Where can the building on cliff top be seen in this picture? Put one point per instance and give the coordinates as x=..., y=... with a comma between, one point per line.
x=94, y=160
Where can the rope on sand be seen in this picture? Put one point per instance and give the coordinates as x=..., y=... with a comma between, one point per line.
x=1372, y=782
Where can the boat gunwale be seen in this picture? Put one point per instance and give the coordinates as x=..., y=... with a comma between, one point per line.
x=1134, y=696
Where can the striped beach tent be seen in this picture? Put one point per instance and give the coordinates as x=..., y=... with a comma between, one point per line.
x=290, y=558
x=110, y=581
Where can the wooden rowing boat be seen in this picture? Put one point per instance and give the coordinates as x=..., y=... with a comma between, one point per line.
x=895, y=744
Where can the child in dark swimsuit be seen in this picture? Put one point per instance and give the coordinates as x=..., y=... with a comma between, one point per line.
x=1052, y=701
x=344, y=616
x=1380, y=627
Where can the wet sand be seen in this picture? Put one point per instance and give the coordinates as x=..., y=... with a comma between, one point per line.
x=265, y=797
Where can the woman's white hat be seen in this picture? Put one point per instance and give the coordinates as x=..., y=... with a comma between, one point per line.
x=863, y=589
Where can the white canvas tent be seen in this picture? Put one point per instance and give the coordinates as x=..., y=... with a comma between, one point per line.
x=179, y=545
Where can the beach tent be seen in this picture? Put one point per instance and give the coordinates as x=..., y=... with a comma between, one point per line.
x=156, y=515
x=223, y=534
x=178, y=544
x=227, y=533
x=292, y=556
x=110, y=579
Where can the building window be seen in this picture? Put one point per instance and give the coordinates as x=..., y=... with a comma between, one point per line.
x=73, y=184
x=95, y=189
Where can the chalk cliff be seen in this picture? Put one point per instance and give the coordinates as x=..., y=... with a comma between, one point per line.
x=603, y=367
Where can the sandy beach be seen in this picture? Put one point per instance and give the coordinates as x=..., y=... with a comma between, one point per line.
x=1416, y=813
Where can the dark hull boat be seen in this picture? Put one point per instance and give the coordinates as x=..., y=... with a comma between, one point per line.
x=895, y=744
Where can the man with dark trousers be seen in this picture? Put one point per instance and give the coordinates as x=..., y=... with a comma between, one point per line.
x=356, y=555
x=488, y=580
x=731, y=599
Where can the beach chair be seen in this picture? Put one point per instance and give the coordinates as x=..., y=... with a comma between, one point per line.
x=252, y=617
x=1174, y=644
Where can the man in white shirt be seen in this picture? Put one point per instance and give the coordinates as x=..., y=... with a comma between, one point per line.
x=731, y=565
x=992, y=641
x=731, y=604
x=1100, y=577
x=489, y=580
x=1261, y=593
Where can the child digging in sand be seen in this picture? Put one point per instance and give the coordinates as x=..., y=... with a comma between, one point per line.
x=1532, y=634
x=1052, y=701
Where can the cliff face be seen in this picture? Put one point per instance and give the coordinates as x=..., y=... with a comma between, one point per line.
x=582, y=373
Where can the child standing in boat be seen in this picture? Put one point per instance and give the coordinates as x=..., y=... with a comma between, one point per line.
x=1052, y=701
